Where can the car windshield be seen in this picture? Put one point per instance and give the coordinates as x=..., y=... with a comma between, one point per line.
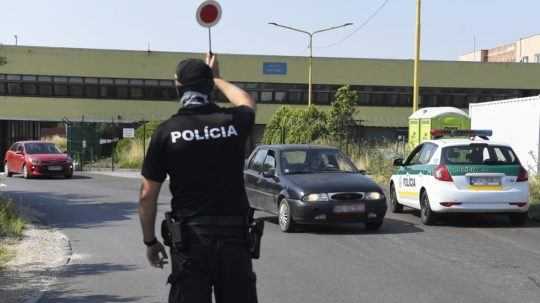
x=315, y=161
x=41, y=148
x=479, y=154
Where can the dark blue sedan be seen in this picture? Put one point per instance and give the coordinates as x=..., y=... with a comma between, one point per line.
x=311, y=184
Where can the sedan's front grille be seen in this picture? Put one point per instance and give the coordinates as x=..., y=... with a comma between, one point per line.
x=53, y=162
x=347, y=196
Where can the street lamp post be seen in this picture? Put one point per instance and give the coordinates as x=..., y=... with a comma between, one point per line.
x=310, y=46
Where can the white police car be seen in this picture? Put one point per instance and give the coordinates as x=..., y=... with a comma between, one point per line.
x=468, y=175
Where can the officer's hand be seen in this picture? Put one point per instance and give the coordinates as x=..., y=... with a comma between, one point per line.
x=212, y=61
x=156, y=254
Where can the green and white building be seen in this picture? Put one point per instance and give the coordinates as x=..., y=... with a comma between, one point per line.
x=42, y=86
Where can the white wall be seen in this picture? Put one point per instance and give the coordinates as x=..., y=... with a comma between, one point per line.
x=516, y=122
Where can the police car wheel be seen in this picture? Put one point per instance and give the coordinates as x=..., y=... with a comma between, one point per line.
x=427, y=216
x=519, y=219
x=286, y=223
x=396, y=208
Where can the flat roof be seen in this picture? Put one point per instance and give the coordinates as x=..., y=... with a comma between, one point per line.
x=249, y=68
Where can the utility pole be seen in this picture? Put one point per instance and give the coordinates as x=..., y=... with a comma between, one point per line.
x=416, y=88
x=16, y=39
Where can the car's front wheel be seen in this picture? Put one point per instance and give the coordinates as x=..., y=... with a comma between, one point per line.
x=286, y=223
x=519, y=219
x=26, y=172
x=395, y=207
x=427, y=215
x=6, y=171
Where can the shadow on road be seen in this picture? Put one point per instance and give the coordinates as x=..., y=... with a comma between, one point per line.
x=390, y=226
x=473, y=220
x=74, y=210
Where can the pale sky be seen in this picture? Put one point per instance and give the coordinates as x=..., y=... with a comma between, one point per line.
x=449, y=26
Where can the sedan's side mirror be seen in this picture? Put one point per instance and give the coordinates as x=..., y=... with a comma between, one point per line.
x=398, y=162
x=271, y=173
x=362, y=172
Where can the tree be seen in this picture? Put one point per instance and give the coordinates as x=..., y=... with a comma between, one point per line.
x=296, y=126
x=341, y=117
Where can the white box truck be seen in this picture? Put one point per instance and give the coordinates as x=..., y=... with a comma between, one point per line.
x=513, y=121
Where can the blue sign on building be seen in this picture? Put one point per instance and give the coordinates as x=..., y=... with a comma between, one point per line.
x=274, y=68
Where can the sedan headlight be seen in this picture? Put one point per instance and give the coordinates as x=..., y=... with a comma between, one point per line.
x=315, y=197
x=35, y=161
x=374, y=196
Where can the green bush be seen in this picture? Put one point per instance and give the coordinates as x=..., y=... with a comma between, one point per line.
x=294, y=126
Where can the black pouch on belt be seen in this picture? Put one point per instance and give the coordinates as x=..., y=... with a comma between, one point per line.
x=173, y=232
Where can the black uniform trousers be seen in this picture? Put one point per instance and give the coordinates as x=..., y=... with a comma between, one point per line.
x=213, y=261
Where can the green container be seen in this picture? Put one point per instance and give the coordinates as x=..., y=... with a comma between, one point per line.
x=422, y=122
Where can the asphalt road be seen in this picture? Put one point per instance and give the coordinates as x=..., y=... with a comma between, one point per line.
x=469, y=259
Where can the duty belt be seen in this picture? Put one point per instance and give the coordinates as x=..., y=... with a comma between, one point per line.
x=221, y=221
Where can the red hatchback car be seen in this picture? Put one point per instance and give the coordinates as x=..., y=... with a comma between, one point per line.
x=37, y=158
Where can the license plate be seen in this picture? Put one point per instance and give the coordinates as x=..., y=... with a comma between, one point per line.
x=485, y=181
x=55, y=168
x=353, y=208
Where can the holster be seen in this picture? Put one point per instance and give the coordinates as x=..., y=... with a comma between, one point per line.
x=172, y=233
x=255, y=233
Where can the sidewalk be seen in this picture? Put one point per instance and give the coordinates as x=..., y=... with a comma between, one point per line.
x=121, y=173
x=39, y=257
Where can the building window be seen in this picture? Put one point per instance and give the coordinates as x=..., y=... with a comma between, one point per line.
x=322, y=98
x=525, y=59
x=296, y=97
x=266, y=96
x=2, y=88
x=537, y=58
x=60, y=90
x=136, y=92
x=14, y=89
x=92, y=91
x=76, y=90
x=29, y=89
x=280, y=97
x=122, y=92
x=14, y=77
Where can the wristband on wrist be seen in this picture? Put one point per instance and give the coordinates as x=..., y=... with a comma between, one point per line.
x=151, y=243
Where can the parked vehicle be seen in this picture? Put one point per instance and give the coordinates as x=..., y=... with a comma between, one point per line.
x=310, y=184
x=37, y=158
x=467, y=175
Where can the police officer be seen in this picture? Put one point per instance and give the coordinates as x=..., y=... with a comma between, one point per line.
x=201, y=149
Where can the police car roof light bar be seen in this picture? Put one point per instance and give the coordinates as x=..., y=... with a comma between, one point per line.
x=481, y=133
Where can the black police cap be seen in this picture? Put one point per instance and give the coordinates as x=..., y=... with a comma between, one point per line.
x=196, y=75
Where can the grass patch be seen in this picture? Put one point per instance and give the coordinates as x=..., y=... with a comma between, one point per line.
x=11, y=226
x=129, y=153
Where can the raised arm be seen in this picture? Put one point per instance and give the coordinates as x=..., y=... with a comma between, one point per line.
x=233, y=93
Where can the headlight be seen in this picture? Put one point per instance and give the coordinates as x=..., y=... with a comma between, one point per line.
x=374, y=196
x=315, y=197
x=35, y=162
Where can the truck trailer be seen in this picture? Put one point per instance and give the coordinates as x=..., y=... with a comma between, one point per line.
x=513, y=121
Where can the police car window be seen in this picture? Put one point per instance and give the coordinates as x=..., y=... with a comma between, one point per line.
x=479, y=154
x=257, y=162
x=269, y=162
x=414, y=156
x=427, y=152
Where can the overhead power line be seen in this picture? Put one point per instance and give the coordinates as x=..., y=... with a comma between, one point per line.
x=361, y=26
